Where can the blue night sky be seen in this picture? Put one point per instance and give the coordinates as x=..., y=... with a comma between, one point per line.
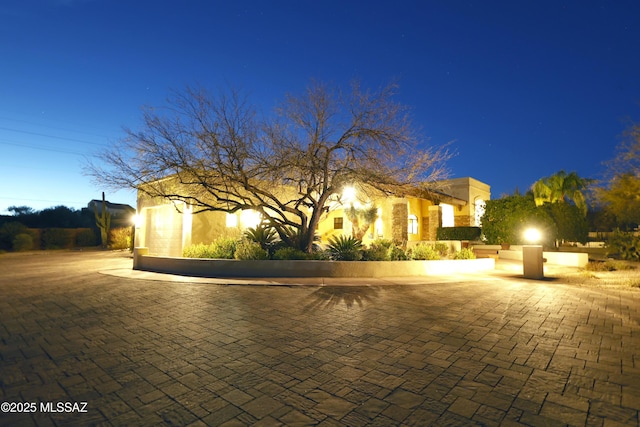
x=524, y=89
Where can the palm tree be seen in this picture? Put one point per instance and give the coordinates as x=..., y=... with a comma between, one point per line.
x=561, y=187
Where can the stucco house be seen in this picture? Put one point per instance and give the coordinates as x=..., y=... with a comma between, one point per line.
x=165, y=230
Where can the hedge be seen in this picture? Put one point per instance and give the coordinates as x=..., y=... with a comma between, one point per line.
x=459, y=233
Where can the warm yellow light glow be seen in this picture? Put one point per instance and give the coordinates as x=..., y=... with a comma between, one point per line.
x=136, y=219
x=250, y=218
x=348, y=194
x=231, y=220
x=532, y=235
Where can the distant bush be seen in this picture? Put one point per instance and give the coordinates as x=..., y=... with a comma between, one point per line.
x=459, y=233
x=289, y=253
x=9, y=231
x=86, y=237
x=625, y=244
x=464, y=253
x=250, y=250
x=23, y=242
x=425, y=252
x=120, y=238
x=57, y=238
x=609, y=265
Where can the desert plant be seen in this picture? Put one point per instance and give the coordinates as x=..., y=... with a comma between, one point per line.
x=442, y=248
x=199, y=250
x=464, y=253
x=120, y=238
x=396, y=253
x=378, y=250
x=103, y=221
x=264, y=235
x=343, y=248
x=424, y=251
x=625, y=244
x=223, y=247
x=250, y=250
x=289, y=253
x=23, y=242
x=361, y=219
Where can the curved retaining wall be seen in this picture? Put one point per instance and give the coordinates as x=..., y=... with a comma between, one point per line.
x=305, y=268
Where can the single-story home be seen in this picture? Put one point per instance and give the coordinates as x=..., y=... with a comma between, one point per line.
x=165, y=229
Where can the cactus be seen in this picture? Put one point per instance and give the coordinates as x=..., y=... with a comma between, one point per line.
x=103, y=221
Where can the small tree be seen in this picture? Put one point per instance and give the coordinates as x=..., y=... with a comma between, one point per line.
x=506, y=219
x=361, y=219
x=560, y=188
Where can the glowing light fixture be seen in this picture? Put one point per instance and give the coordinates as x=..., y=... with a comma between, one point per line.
x=348, y=194
x=250, y=218
x=532, y=235
x=136, y=220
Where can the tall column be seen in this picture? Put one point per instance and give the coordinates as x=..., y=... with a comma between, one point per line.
x=435, y=221
x=400, y=220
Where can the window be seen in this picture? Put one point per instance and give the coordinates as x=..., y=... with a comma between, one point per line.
x=413, y=224
x=338, y=223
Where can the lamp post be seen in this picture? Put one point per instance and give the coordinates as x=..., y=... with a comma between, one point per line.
x=532, y=260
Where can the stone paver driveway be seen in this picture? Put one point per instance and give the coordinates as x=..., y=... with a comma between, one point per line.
x=488, y=350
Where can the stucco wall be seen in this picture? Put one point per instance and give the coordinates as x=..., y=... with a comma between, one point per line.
x=237, y=268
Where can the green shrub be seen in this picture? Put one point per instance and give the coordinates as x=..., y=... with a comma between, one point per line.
x=425, y=252
x=221, y=248
x=464, y=253
x=23, y=242
x=609, y=265
x=250, y=250
x=625, y=244
x=343, y=248
x=378, y=250
x=289, y=253
x=396, y=253
x=120, y=238
x=9, y=231
x=86, y=237
x=199, y=250
x=442, y=248
x=459, y=233
x=57, y=238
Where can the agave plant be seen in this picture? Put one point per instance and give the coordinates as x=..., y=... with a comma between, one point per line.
x=343, y=248
x=263, y=234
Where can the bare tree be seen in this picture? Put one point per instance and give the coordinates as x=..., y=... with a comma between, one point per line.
x=215, y=154
x=620, y=193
